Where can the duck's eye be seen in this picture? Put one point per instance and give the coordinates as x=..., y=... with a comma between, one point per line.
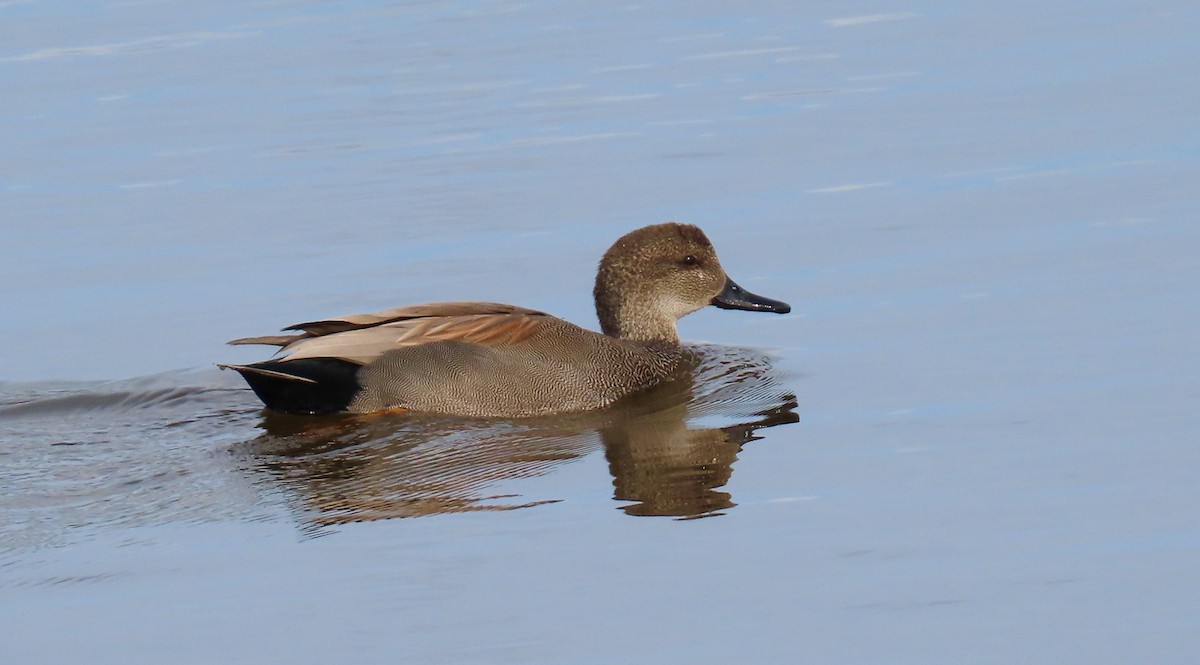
x=689, y=260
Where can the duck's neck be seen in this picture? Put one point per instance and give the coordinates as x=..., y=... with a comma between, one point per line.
x=634, y=320
x=624, y=311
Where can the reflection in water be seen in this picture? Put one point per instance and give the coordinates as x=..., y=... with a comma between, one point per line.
x=669, y=469
x=357, y=468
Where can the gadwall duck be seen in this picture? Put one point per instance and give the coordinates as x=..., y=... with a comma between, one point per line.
x=492, y=360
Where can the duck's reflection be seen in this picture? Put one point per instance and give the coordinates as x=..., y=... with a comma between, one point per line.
x=358, y=468
x=666, y=468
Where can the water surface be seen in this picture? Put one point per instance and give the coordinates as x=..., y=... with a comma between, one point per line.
x=983, y=215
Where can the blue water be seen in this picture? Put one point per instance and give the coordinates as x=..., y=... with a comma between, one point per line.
x=982, y=213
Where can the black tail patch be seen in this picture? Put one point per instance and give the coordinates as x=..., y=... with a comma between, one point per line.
x=328, y=385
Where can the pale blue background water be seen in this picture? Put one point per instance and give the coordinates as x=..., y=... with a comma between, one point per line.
x=983, y=213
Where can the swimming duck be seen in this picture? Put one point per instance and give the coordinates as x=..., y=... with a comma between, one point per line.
x=492, y=360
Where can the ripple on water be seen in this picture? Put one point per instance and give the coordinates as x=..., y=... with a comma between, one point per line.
x=197, y=446
x=147, y=450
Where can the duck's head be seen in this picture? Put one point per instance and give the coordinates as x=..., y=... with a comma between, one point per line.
x=654, y=276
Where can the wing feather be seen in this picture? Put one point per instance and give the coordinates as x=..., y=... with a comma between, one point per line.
x=272, y=340
x=363, y=345
x=435, y=310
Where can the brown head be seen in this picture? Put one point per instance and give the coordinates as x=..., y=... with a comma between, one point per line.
x=654, y=276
